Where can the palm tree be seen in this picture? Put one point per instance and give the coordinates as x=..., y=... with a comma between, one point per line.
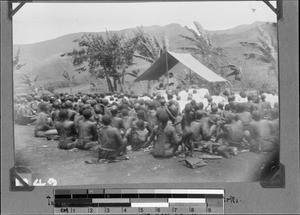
x=267, y=48
x=202, y=48
x=148, y=47
x=201, y=41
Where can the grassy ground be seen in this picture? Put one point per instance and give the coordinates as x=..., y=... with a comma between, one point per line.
x=46, y=161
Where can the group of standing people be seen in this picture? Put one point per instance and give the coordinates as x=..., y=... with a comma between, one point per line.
x=110, y=122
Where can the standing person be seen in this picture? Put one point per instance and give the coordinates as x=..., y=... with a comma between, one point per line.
x=66, y=131
x=171, y=83
x=87, y=132
x=111, y=143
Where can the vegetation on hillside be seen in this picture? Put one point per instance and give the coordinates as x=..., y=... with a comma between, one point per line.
x=107, y=58
x=148, y=48
x=31, y=82
x=247, y=59
x=222, y=63
x=266, y=50
x=16, y=61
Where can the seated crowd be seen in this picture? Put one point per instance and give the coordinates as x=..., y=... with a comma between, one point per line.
x=166, y=125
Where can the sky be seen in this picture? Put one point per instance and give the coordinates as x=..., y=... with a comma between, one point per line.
x=36, y=22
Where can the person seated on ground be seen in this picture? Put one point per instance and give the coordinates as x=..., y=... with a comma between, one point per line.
x=261, y=134
x=266, y=106
x=226, y=111
x=175, y=118
x=249, y=105
x=24, y=114
x=274, y=125
x=164, y=136
x=232, y=103
x=66, y=131
x=187, y=118
x=34, y=104
x=97, y=115
x=209, y=103
x=197, y=129
x=127, y=120
x=116, y=121
x=137, y=135
x=220, y=108
x=141, y=116
x=79, y=116
x=44, y=125
x=55, y=111
x=243, y=97
x=111, y=143
x=204, y=120
x=244, y=116
x=87, y=132
x=232, y=132
x=214, y=117
x=16, y=108
x=151, y=115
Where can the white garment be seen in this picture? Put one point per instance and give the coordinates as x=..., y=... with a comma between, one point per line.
x=219, y=99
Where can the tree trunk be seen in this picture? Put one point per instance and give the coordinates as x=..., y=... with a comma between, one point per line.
x=115, y=84
x=121, y=85
x=110, y=88
x=70, y=86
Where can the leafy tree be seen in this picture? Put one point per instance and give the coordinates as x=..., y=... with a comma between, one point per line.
x=50, y=87
x=16, y=64
x=267, y=50
x=69, y=77
x=31, y=82
x=106, y=58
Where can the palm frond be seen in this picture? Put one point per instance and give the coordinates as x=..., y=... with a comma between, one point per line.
x=148, y=59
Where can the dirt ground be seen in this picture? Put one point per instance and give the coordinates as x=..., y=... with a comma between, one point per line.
x=46, y=161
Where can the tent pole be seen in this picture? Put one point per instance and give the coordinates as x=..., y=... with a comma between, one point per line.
x=167, y=70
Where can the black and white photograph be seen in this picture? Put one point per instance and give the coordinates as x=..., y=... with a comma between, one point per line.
x=145, y=92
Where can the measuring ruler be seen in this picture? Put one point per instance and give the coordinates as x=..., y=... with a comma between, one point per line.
x=139, y=201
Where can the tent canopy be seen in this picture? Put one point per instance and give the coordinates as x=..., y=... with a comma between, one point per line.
x=171, y=59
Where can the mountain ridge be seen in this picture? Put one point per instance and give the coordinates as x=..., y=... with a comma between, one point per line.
x=41, y=57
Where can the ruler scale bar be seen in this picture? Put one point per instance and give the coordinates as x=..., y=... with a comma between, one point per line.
x=186, y=200
x=139, y=201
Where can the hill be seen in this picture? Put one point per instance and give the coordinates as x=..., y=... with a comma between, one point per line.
x=44, y=58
